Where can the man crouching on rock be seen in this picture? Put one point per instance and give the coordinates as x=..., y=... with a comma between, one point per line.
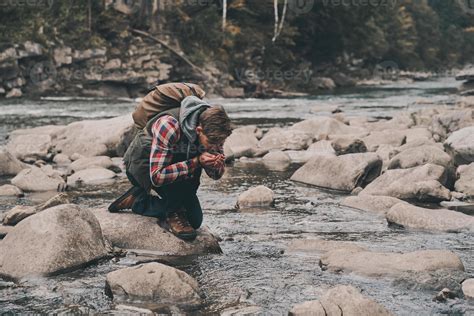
x=179, y=135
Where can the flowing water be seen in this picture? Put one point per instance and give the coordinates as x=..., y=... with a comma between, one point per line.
x=255, y=267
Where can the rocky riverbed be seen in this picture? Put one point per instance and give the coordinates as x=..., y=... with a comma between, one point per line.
x=358, y=203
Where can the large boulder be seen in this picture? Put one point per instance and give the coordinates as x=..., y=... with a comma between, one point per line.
x=348, y=145
x=340, y=300
x=56, y=240
x=9, y=164
x=409, y=216
x=30, y=146
x=381, y=264
x=323, y=147
x=419, y=156
x=35, y=179
x=461, y=146
x=320, y=127
x=386, y=137
x=277, y=160
x=154, y=282
x=109, y=137
x=465, y=182
x=285, y=139
x=131, y=231
x=423, y=183
x=93, y=176
x=91, y=162
x=259, y=196
x=241, y=144
x=371, y=203
x=343, y=173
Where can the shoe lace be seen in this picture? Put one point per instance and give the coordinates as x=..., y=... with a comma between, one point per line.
x=180, y=220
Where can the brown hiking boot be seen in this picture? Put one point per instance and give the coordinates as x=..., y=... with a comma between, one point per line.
x=178, y=225
x=125, y=201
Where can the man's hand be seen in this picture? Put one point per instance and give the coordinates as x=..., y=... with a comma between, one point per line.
x=208, y=160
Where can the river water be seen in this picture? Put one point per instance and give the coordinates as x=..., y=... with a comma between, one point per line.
x=255, y=268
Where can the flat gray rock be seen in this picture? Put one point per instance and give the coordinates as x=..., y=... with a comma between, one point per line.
x=131, y=231
x=93, y=176
x=419, y=156
x=465, y=182
x=10, y=190
x=410, y=216
x=154, y=282
x=371, y=203
x=343, y=173
x=259, y=196
x=341, y=300
x=423, y=183
x=9, y=164
x=381, y=264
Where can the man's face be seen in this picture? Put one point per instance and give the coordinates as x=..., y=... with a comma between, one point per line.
x=206, y=144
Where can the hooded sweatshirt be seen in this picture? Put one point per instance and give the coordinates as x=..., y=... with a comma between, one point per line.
x=191, y=108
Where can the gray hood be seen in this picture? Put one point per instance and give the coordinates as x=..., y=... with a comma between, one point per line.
x=191, y=108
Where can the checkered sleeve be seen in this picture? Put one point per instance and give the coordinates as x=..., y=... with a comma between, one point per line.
x=166, y=134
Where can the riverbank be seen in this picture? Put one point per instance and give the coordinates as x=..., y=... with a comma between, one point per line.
x=273, y=257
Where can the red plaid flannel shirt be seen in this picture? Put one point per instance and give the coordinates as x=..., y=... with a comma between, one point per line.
x=166, y=134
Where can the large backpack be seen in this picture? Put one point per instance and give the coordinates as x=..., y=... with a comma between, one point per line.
x=162, y=98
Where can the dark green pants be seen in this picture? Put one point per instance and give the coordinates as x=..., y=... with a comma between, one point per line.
x=173, y=196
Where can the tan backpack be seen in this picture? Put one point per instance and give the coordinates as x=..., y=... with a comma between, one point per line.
x=163, y=98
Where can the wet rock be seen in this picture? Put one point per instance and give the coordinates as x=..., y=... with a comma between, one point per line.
x=340, y=300
x=468, y=288
x=59, y=199
x=370, y=203
x=4, y=230
x=320, y=127
x=348, y=145
x=285, y=139
x=10, y=190
x=424, y=183
x=17, y=214
x=241, y=144
x=460, y=145
x=322, y=147
x=259, y=196
x=26, y=146
x=378, y=264
x=432, y=280
x=463, y=207
x=35, y=179
x=277, y=160
x=343, y=173
x=91, y=162
x=14, y=93
x=109, y=137
x=61, y=159
x=320, y=246
x=465, y=182
x=56, y=240
x=242, y=311
x=131, y=231
x=444, y=295
x=410, y=216
x=93, y=176
x=387, y=137
x=250, y=130
x=419, y=156
x=9, y=164
x=153, y=282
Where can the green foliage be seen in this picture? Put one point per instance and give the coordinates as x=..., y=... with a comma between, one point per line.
x=417, y=34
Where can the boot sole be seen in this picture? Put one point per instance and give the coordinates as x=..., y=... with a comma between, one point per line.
x=113, y=208
x=186, y=237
